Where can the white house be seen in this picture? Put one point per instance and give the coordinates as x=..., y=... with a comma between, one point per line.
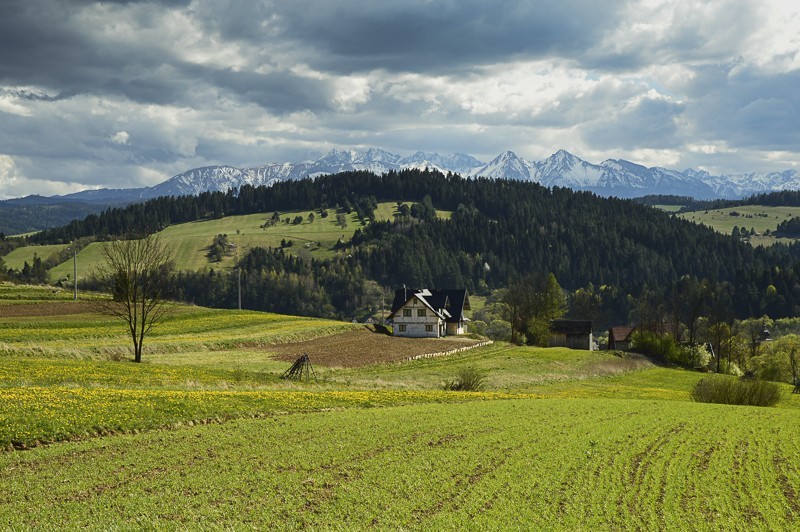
x=425, y=313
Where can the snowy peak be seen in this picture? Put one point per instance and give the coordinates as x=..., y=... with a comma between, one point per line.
x=616, y=177
x=740, y=185
x=507, y=165
x=459, y=163
x=356, y=157
x=566, y=170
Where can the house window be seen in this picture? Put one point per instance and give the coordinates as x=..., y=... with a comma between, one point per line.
x=402, y=328
x=429, y=328
x=406, y=312
x=421, y=312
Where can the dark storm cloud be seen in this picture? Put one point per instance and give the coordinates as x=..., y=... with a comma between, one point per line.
x=647, y=123
x=279, y=92
x=420, y=36
x=747, y=108
x=44, y=43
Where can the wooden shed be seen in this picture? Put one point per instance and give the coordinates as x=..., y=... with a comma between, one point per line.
x=574, y=334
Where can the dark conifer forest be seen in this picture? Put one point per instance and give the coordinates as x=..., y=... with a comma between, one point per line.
x=499, y=231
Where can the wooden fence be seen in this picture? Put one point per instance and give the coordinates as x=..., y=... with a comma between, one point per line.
x=450, y=351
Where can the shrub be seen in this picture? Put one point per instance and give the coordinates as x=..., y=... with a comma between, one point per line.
x=469, y=379
x=666, y=348
x=730, y=368
x=478, y=327
x=499, y=330
x=661, y=346
x=732, y=391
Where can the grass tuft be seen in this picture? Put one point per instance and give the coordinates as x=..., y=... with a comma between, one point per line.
x=468, y=379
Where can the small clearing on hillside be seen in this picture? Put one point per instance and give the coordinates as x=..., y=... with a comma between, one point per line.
x=363, y=347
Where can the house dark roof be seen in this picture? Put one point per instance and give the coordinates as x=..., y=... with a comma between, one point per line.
x=454, y=301
x=571, y=326
x=620, y=333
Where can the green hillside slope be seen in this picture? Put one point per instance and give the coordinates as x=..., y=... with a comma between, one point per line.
x=190, y=241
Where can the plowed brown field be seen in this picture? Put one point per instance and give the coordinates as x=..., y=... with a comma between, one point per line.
x=364, y=347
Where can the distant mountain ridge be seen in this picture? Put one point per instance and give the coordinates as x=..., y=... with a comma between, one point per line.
x=612, y=177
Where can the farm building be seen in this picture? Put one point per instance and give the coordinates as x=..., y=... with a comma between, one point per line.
x=619, y=337
x=575, y=334
x=426, y=313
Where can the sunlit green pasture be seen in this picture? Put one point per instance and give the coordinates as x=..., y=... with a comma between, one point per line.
x=190, y=242
x=668, y=208
x=187, y=329
x=538, y=464
x=15, y=294
x=52, y=399
x=87, y=260
x=205, y=434
x=34, y=414
x=758, y=217
x=17, y=258
x=508, y=367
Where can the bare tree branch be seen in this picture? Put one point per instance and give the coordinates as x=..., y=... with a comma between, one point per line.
x=138, y=271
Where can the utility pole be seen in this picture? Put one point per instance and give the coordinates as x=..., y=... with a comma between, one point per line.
x=75, y=272
x=239, y=272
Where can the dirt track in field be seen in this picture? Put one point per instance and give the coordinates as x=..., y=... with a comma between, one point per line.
x=54, y=308
x=364, y=347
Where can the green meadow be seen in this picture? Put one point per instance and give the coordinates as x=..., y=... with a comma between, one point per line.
x=17, y=258
x=758, y=217
x=190, y=242
x=205, y=434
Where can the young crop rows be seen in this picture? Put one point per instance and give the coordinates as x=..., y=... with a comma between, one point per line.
x=536, y=463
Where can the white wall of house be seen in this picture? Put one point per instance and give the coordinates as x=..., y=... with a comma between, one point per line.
x=456, y=328
x=416, y=320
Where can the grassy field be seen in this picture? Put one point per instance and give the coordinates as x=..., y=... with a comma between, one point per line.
x=190, y=241
x=669, y=208
x=536, y=464
x=757, y=217
x=17, y=258
x=77, y=330
x=205, y=434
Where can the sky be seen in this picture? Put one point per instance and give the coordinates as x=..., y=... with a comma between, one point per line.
x=126, y=94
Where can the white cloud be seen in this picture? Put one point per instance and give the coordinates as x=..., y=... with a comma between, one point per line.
x=120, y=137
x=8, y=175
x=11, y=105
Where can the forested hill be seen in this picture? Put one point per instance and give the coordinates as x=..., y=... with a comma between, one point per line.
x=499, y=230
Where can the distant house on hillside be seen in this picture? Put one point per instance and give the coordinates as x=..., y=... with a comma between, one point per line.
x=574, y=334
x=619, y=337
x=429, y=313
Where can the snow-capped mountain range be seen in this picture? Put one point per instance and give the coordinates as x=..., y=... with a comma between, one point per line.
x=610, y=178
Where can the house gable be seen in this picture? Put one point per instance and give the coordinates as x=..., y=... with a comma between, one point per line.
x=446, y=305
x=619, y=337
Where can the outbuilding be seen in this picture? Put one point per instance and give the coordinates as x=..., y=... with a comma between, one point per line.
x=619, y=337
x=574, y=334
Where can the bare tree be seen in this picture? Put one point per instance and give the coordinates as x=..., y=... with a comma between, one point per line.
x=139, y=272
